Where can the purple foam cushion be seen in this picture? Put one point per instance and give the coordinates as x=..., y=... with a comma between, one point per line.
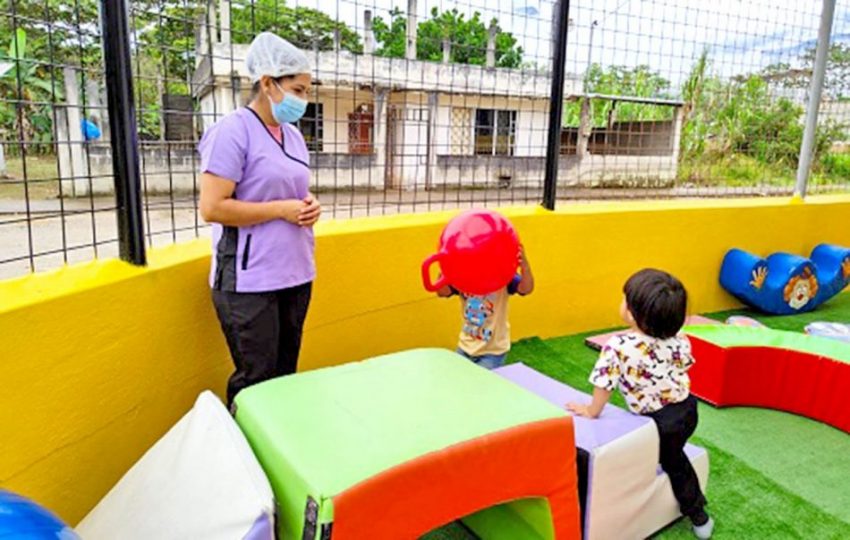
x=612, y=424
x=261, y=530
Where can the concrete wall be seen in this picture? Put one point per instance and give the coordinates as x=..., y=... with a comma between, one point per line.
x=165, y=168
x=168, y=168
x=174, y=167
x=348, y=171
x=532, y=129
x=616, y=171
x=222, y=100
x=100, y=359
x=589, y=171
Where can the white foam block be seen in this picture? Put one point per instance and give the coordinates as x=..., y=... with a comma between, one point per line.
x=199, y=481
x=629, y=497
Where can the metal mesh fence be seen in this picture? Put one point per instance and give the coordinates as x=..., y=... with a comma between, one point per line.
x=715, y=98
x=416, y=106
x=402, y=121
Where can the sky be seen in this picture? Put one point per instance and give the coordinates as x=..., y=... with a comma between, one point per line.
x=741, y=36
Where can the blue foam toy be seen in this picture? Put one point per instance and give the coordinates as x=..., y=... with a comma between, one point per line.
x=22, y=519
x=783, y=283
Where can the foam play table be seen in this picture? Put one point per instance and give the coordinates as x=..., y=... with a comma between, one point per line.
x=396, y=446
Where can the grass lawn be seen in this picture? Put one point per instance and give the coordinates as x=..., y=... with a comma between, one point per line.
x=773, y=475
x=42, y=174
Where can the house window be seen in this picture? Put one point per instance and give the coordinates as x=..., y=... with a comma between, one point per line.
x=461, y=132
x=311, y=126
x=495, y=132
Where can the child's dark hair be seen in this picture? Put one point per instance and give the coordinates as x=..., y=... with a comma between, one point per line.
x=657, y=301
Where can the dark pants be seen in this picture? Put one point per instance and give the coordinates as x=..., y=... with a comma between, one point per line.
x=263, y=332
x=676, y=423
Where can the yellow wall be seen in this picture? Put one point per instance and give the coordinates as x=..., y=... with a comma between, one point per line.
x=98, y=360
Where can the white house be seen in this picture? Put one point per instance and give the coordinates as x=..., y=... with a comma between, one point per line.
x=378, y=122
x=399, y=123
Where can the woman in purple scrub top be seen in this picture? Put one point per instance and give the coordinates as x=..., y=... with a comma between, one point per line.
x=254, y=190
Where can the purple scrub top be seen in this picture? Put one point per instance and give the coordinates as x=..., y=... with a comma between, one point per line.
x=276, y=254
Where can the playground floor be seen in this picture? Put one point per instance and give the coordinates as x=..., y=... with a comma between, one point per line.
x=773, y=474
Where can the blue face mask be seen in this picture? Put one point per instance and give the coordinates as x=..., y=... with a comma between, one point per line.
x=290, y=109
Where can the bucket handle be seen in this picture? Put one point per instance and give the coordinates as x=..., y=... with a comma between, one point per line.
x=426, y=274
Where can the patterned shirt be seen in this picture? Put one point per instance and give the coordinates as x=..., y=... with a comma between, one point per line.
x=650, y=373
x=486, y=329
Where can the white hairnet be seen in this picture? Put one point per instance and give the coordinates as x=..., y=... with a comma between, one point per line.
x=272, y=55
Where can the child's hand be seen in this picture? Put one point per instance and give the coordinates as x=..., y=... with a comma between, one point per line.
x=594, y=409
x=579, y=410
x=526, y=284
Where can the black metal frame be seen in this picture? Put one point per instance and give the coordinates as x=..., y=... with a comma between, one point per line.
x=556, y=105
x=122, y=122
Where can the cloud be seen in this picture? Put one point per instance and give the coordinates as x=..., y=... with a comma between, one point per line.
x=528, y=11
x=799, y=48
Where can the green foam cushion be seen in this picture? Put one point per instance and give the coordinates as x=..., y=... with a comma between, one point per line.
x=321, y=432
x=743, y=336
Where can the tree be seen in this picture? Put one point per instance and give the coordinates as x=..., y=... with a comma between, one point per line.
x=24, y=81
x=837, y=78
x=739, y=128
x=166, y=33
x=640, y=81
x=468, y=38
x=70, y=37
x=391, y=35
x=753, y=124
x=700, y=93
x=303, y=27
x=58, y=33
x=166, y=41
x=693, y=91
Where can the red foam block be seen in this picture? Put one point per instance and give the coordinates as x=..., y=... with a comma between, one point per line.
x=792, y=381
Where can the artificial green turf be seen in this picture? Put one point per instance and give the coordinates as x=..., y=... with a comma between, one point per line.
x=453, y=531
x=802, y=456
x=773, y=475
x=766, y=479
x=836, y=310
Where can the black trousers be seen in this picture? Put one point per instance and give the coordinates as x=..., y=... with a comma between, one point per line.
x=263, y=332
x=676, y=423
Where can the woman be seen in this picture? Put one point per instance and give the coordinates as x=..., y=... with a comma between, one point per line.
x=254, y=190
